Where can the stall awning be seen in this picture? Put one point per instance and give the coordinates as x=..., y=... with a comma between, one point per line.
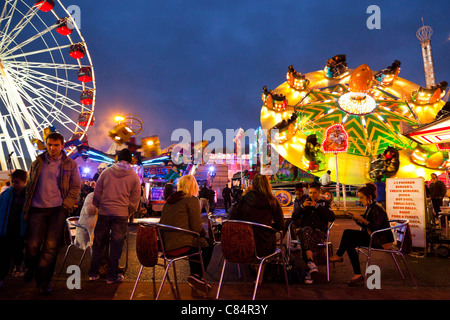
x=432, y=133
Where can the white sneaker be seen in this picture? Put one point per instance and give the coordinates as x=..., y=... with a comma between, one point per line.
x=119, y=279
x=312, y=267
x=308, y=279
x=93, y=278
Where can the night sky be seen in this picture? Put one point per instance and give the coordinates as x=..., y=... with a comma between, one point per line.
x=175, y=62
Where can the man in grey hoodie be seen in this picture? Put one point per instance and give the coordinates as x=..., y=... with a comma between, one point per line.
x=116, y=195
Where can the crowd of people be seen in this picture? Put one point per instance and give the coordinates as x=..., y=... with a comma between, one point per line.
x=33, y=212
x=34, y=209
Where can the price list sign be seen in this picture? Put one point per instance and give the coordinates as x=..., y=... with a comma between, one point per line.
x=405, y=199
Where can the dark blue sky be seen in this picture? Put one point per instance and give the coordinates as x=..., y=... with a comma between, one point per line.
x=174, y=62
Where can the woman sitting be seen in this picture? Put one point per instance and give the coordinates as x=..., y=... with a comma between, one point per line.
x=260, y=206
x=182, y=210
x=312, y=216
x=374, y=218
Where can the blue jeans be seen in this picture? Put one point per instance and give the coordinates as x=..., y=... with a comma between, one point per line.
x=110, y=230
x=44, y=238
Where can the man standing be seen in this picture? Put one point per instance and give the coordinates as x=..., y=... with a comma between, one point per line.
x=325, y=179
x=204, y=200
x=212, y=199
x=51, y=193
x=97, y=174
x=437, y=193
x=226, y=195
x=116, y=195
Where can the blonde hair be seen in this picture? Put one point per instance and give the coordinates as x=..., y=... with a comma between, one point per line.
x=188, y=185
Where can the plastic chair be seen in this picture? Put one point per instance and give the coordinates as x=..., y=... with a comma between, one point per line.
x=72, y=225
x=398, y=228
x=238, y=246
x=150, y=247
x=327, y=244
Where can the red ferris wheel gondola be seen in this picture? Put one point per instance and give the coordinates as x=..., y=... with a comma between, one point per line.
x=87, y=97
x=64, y=28
x=84, y=118
x=85, y=74
x=77, y=50
x=45, y=5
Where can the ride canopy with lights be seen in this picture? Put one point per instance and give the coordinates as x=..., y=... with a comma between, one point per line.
x=377, y=112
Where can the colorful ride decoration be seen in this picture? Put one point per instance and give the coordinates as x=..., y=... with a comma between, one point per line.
x=121, y=133
x=375, y=108
x=313, y=154
x=151, y=146
x=276, y=102
x=284, y=197
x=336, y=139
x=296, y=80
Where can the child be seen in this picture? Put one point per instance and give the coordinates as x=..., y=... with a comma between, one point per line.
x=300, y=197
x=12, y=225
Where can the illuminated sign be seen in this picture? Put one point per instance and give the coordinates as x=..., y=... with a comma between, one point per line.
x=336, y=139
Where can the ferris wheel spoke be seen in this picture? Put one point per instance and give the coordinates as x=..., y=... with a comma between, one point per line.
x=39, y=85
x=46, y=114
x=42, y=65
x=30, y=40
x=6, y=16
x=47, y=98
x=42, y=93
x=32, y=53
x=41, y=78
x=14, y=103
x=26, y=19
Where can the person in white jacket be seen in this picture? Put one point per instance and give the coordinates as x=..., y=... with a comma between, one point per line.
x=116, y=195
x=88, y=218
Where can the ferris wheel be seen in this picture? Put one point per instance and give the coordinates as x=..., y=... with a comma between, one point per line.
x=47, y=80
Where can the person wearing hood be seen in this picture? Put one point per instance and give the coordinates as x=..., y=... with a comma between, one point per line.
x=182, y=209
x=116, y=195
x=313, y=216
x=260, y=206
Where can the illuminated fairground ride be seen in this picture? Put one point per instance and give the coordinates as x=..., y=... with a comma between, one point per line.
x=364, y=122
x=47, y=80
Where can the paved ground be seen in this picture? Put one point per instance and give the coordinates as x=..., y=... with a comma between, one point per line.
x=431, y=273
